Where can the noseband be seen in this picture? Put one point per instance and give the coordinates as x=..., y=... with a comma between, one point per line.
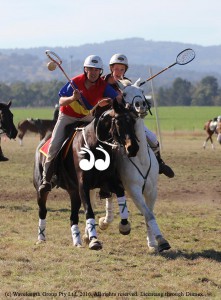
x=133, y=106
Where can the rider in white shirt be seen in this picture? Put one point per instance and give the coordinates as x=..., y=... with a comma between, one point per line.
x=118, y=67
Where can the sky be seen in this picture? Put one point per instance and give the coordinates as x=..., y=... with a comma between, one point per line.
x=64, y=23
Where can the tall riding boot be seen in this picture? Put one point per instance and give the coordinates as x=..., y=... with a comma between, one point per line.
x=48, y=172
x=163, y=168
x=2, y=157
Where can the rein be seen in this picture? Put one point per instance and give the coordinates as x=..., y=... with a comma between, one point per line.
x=148, y=171
x=113, y=145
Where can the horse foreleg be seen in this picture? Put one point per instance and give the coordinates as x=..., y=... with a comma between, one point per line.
x=90, y=230
x=74, y=218
x=150, y=219
x=124, y=225
x=150, y=199
x=109, y=217
x=20, y=136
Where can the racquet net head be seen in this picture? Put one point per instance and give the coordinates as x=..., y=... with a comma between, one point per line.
x=53, y=57
x=185, y=56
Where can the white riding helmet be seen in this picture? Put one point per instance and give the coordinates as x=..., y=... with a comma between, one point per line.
x=93, y=61
x=219, y=118
x=119, y=59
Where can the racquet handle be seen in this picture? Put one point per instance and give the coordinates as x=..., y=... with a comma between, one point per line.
x=157, y=74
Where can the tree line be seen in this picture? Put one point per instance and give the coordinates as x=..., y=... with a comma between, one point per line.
x=182, y=93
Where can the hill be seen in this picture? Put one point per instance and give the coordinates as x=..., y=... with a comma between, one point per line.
x=30, y=64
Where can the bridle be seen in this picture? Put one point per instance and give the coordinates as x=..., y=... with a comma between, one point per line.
x=132, y=106
x=102, y=116
x=114, y=130
x=2, y=129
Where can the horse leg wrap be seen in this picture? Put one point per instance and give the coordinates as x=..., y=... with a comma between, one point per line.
x=90, y=227
x=109, y=210
x=122, y=202
x=76, y=235
x=41, y=229
x=151, y=241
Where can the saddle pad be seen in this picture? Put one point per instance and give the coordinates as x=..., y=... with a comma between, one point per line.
x=44, y=148
x=65, y=146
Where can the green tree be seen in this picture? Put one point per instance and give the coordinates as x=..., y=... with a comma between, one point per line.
x=206, y=92
x=181, y=92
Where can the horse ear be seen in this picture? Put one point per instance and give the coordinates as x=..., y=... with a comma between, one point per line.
x=123, y=83
x=137, y=83
x=9, y=103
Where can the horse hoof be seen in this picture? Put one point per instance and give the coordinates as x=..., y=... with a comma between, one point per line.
x=40, y=242
x=125, y=229
x=103, y=225
x=85, y=238
x=95, y=244
x=163, y=245
x=78, y=245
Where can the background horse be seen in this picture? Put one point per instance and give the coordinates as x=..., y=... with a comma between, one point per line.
x=79, y=172
x=139, y=174
x=40, y=126
x=218, y=130
x=211, y=127
x=6, y=125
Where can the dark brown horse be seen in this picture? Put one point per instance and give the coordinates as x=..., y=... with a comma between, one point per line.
x=211, y=127
x=89, y=163
x=40, y=126
x=6, y=125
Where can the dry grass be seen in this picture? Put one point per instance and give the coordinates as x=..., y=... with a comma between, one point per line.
x=188, y=211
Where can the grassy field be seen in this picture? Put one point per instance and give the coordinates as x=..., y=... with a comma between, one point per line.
x=188, y=211
x=171, y=118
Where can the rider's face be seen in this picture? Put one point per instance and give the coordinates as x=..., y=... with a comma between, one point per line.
x=92, y=73
x=118, y=71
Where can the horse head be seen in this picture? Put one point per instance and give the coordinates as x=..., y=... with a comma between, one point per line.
x=117, y=125
x=6, y=121
x=134, y=96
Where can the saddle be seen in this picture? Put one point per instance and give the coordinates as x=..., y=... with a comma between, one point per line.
x=70, y=133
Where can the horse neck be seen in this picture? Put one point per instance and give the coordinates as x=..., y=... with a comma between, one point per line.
x=141, y=135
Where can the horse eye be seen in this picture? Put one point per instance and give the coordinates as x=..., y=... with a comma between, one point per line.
x=137, y=104
x=124, y=94
x=144, y=103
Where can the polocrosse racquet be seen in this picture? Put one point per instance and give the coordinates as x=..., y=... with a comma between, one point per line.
x=183, y=58
x=57, y=60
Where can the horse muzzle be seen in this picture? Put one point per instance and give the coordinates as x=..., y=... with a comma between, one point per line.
x=12, y=134
x=141, y=112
